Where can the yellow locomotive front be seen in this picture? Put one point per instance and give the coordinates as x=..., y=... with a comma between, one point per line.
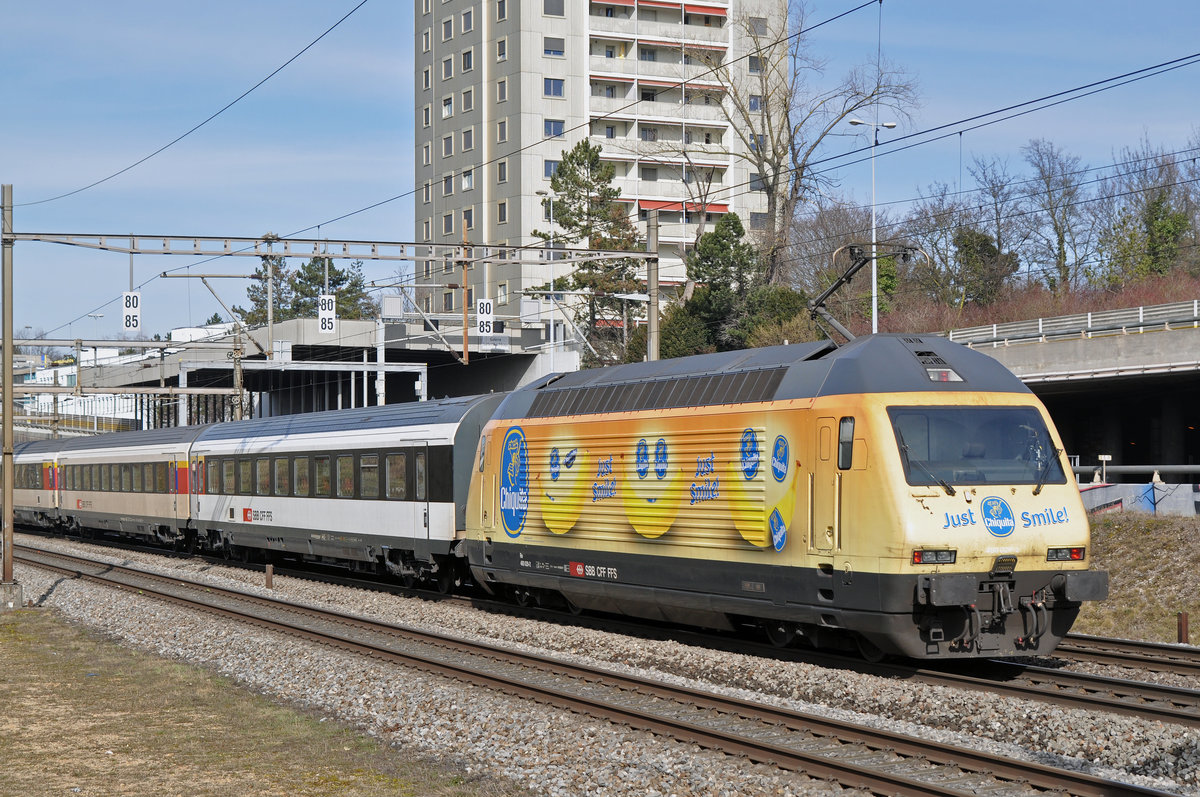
x=972, y=519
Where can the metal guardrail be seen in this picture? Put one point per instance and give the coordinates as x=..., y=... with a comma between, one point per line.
x=1148, y=318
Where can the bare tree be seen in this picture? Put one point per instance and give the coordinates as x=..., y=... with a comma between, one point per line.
x=781, y=106
x=1062, y=239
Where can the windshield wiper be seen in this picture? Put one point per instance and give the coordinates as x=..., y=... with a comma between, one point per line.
x=1044, y=473
x=909, y=461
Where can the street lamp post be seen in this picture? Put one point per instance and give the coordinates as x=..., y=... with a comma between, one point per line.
x=874, y=263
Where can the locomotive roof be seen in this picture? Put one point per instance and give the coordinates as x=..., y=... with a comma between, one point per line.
x=413, y=413
x=869, y=364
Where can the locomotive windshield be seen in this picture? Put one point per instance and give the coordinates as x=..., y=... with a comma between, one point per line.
x=975, y=445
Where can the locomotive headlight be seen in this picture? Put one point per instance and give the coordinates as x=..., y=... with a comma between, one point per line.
x=942, y=557
x=1066, y=554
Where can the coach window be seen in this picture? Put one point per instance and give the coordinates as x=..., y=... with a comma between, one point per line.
x=245, y=480
x=126, y=478
x=283, y=484
x=87, y=476
x=212, y=484
x=397, y=476
x=102, y=481
x=227, y=482
x=420, y=473
x=148, y=477
x=262, y=476
x=368, y=476
x=160, y=477
x=300, y=471
x=136, y=473
x=322, y=476
x=845, y=443
x=345, y=476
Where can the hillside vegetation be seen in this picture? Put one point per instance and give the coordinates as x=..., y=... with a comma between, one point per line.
x=1153, y=566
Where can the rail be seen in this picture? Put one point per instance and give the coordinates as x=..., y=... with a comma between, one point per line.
x=1147, y=318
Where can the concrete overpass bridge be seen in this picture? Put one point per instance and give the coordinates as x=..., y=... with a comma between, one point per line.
x=1121, y=382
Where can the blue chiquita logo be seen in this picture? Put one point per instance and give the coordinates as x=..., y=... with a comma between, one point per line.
x=779, y=458
x=660, y=459
x=555, y=465
x=778, y=530
x=750, y=454
x=514, y=482
x=642, y=459
x=997, y=516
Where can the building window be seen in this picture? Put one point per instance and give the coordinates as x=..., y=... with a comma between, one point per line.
x=647, y=54
x=553, y=8
x=501, y=9
x=502, y=130
x=610, y=51
x=447, y=29
x=553, y=128
x=427, y=306
x=447, y=107
x=425, y=6
x=447, y=146
x=649, y=134
x=448, y=185
x=427, y=191
x=549, y=168
x=426, y=78
x=468, y=218
x=426, y=154
x=502, y=293
x=468, y=60
x=610, y=92
x=426, y=116
x=758, y=26
x=468, y=20
x=755, y=64
x=448, y=224
x=502, y=171
x=757, y=183
x=502, y=49
x=758, y=142
x=649, y=173
x=758, y=221
x=427, y=269
x=468, y=100
x=756, y=102
x=448, y=301
x=468, y=139
x=649, y=96
x=502, y=212
x=501, y=90
x=610, y=131
x=468, y=179
x=447, y=69
x=553, y=46
x=426, y=229
x=553, y=86
x=426, y=40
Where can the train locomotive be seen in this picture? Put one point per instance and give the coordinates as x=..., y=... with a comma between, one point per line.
x=901, y=494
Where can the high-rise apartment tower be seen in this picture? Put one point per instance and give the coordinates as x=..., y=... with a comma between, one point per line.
x=503, y=87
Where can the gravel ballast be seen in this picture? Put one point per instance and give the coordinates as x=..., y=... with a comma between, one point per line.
x=555, y=752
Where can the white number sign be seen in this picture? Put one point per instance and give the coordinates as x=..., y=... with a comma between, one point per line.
x=131, y=311
x=484, y=316
x=327, y=313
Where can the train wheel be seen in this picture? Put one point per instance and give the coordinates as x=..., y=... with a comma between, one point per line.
x=869, y=650
x=408, y=580
x=445, y=580
x=780, y=633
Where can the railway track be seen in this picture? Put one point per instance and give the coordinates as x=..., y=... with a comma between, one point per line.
x=880, y=762
x=1153, y=656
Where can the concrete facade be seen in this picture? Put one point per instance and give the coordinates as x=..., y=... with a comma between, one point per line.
x=504, y=87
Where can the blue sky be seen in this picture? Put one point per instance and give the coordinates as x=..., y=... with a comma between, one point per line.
x=90, y=88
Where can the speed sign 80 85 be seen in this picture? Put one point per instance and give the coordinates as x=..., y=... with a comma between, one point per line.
x=131, y=311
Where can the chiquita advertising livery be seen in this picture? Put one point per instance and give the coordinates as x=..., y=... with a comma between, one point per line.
x=901, y=494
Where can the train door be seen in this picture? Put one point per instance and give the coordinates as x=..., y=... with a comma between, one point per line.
x=826, y=498
x=421, y=485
